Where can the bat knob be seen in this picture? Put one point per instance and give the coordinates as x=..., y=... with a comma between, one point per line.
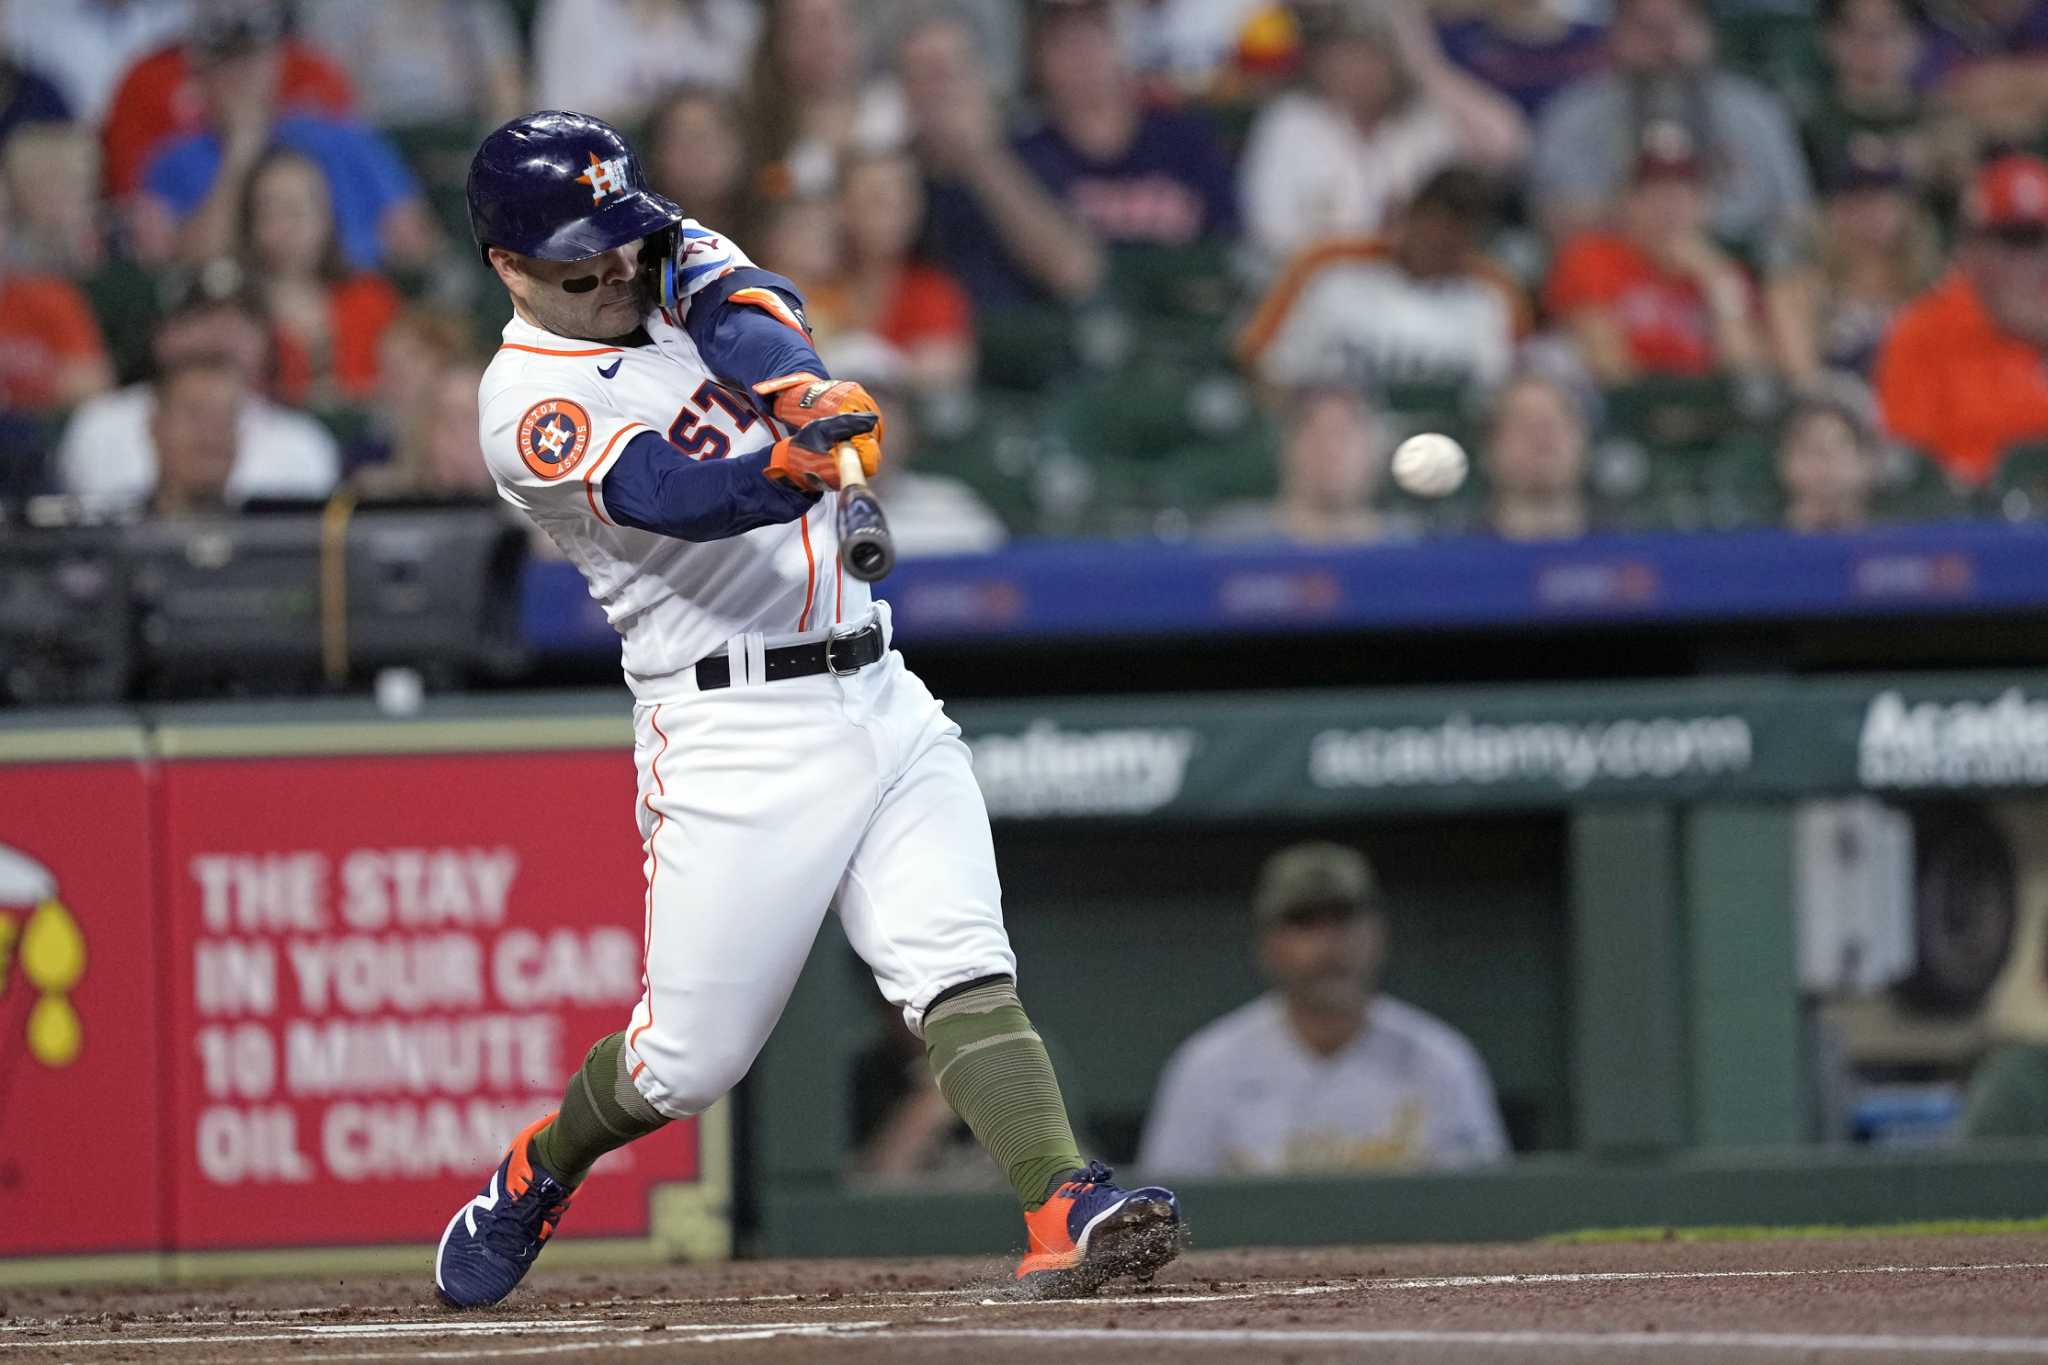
x=868, y=553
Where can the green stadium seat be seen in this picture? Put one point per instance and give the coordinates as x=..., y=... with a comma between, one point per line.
x=1669, y=412
x=2019, y=488
x=1738, y=484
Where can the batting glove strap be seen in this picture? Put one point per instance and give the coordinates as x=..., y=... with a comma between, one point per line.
x=807, y=459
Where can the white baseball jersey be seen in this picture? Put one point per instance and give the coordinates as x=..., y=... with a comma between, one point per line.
x=761, y=805
x=557, y=411
x=1243, y=1096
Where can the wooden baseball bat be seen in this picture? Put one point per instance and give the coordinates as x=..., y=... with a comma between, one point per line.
x=865, y=546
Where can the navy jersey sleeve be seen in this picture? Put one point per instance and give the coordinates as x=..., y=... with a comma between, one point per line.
x=749, y=327
x=655, y=487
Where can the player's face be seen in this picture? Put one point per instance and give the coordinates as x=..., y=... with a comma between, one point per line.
x=1324, y=962
x=594, y=299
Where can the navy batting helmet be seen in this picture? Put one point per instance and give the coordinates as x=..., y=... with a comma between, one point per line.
x=560, y=187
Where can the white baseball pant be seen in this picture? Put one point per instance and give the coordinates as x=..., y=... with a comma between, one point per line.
x=763, y=805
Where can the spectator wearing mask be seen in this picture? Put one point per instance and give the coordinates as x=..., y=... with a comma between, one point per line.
x=1657, y=296
x=1535, y=462
x=52, y=175
x=697, y=157
x=1419, y=304
x=1001, y=233
x=1964, y=373
x=1526, y=49
x=1382, y=111
x=1131, y=173
x=51, y=353
x=416, y=62
x=614, y=58
x=881, y=289
x=1827, y=467
x=194, y=429
x=192, y=191
x=107, y=454
x=325, y=319
x=809, y=101
x=1333, y=463
x=171, y=93
x=85, y=46
x=1325, y=1072
x=1662, y=70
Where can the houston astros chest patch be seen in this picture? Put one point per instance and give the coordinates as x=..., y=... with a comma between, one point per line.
x=553, y=436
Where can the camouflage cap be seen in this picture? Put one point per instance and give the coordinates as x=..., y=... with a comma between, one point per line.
x=1314, y=877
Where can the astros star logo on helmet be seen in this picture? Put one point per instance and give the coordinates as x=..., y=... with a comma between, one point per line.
x=607, y=175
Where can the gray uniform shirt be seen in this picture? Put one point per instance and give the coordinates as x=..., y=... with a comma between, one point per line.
x=1243, y=1096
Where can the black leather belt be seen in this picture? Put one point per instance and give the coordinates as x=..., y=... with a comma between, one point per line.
x=840, y=654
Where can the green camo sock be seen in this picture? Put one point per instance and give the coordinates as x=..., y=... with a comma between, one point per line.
x=992, y=1068
x=600, y=1113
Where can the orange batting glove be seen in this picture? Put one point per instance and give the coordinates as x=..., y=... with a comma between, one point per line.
x=808, y=460
x=800, y=399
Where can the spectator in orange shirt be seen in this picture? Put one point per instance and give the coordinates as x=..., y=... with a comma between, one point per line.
x=1656, y=295
x=160, y=98
x=326, y=320
x=1964, y=373
x=51, y=352
x=920, y=310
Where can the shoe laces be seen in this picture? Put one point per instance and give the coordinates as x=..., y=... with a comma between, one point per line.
x=517, y=1228
x=1094, y=1173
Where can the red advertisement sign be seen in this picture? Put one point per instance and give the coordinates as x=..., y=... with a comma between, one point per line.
x=381, y=968
x=81, y=1091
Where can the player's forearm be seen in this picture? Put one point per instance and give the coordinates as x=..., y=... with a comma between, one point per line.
x=748, y=329
x=652, y=486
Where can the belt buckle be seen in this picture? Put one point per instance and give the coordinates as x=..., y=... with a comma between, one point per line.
x=831, y=662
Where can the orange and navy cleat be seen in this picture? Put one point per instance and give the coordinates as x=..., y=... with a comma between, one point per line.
x=492, y=1241
x=1090, y=1232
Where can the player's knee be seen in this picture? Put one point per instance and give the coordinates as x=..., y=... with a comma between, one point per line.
x=688, y=1080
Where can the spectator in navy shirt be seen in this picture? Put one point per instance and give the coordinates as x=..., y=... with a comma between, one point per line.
x=1525, y=49
x=1132, y=174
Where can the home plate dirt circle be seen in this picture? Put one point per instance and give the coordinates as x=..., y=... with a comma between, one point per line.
x=1806, y=1300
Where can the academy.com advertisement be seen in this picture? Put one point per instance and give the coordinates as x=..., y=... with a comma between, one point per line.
x=382, y=967
x=1474, y=748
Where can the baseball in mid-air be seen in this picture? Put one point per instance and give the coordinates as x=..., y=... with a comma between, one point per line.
x=1430, y=465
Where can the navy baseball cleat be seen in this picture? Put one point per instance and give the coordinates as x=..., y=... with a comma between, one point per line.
x=494, y=1239
x=1090, y=1232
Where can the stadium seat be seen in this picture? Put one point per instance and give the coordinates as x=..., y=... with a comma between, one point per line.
x=2019, y=488
x=1669, y=412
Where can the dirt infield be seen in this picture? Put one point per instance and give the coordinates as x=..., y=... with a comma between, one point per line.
x=1876, y=1299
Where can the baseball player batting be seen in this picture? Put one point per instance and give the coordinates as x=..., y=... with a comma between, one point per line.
x=657, y=408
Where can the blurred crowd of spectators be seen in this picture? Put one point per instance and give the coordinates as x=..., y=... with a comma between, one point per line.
x=1169, y=267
